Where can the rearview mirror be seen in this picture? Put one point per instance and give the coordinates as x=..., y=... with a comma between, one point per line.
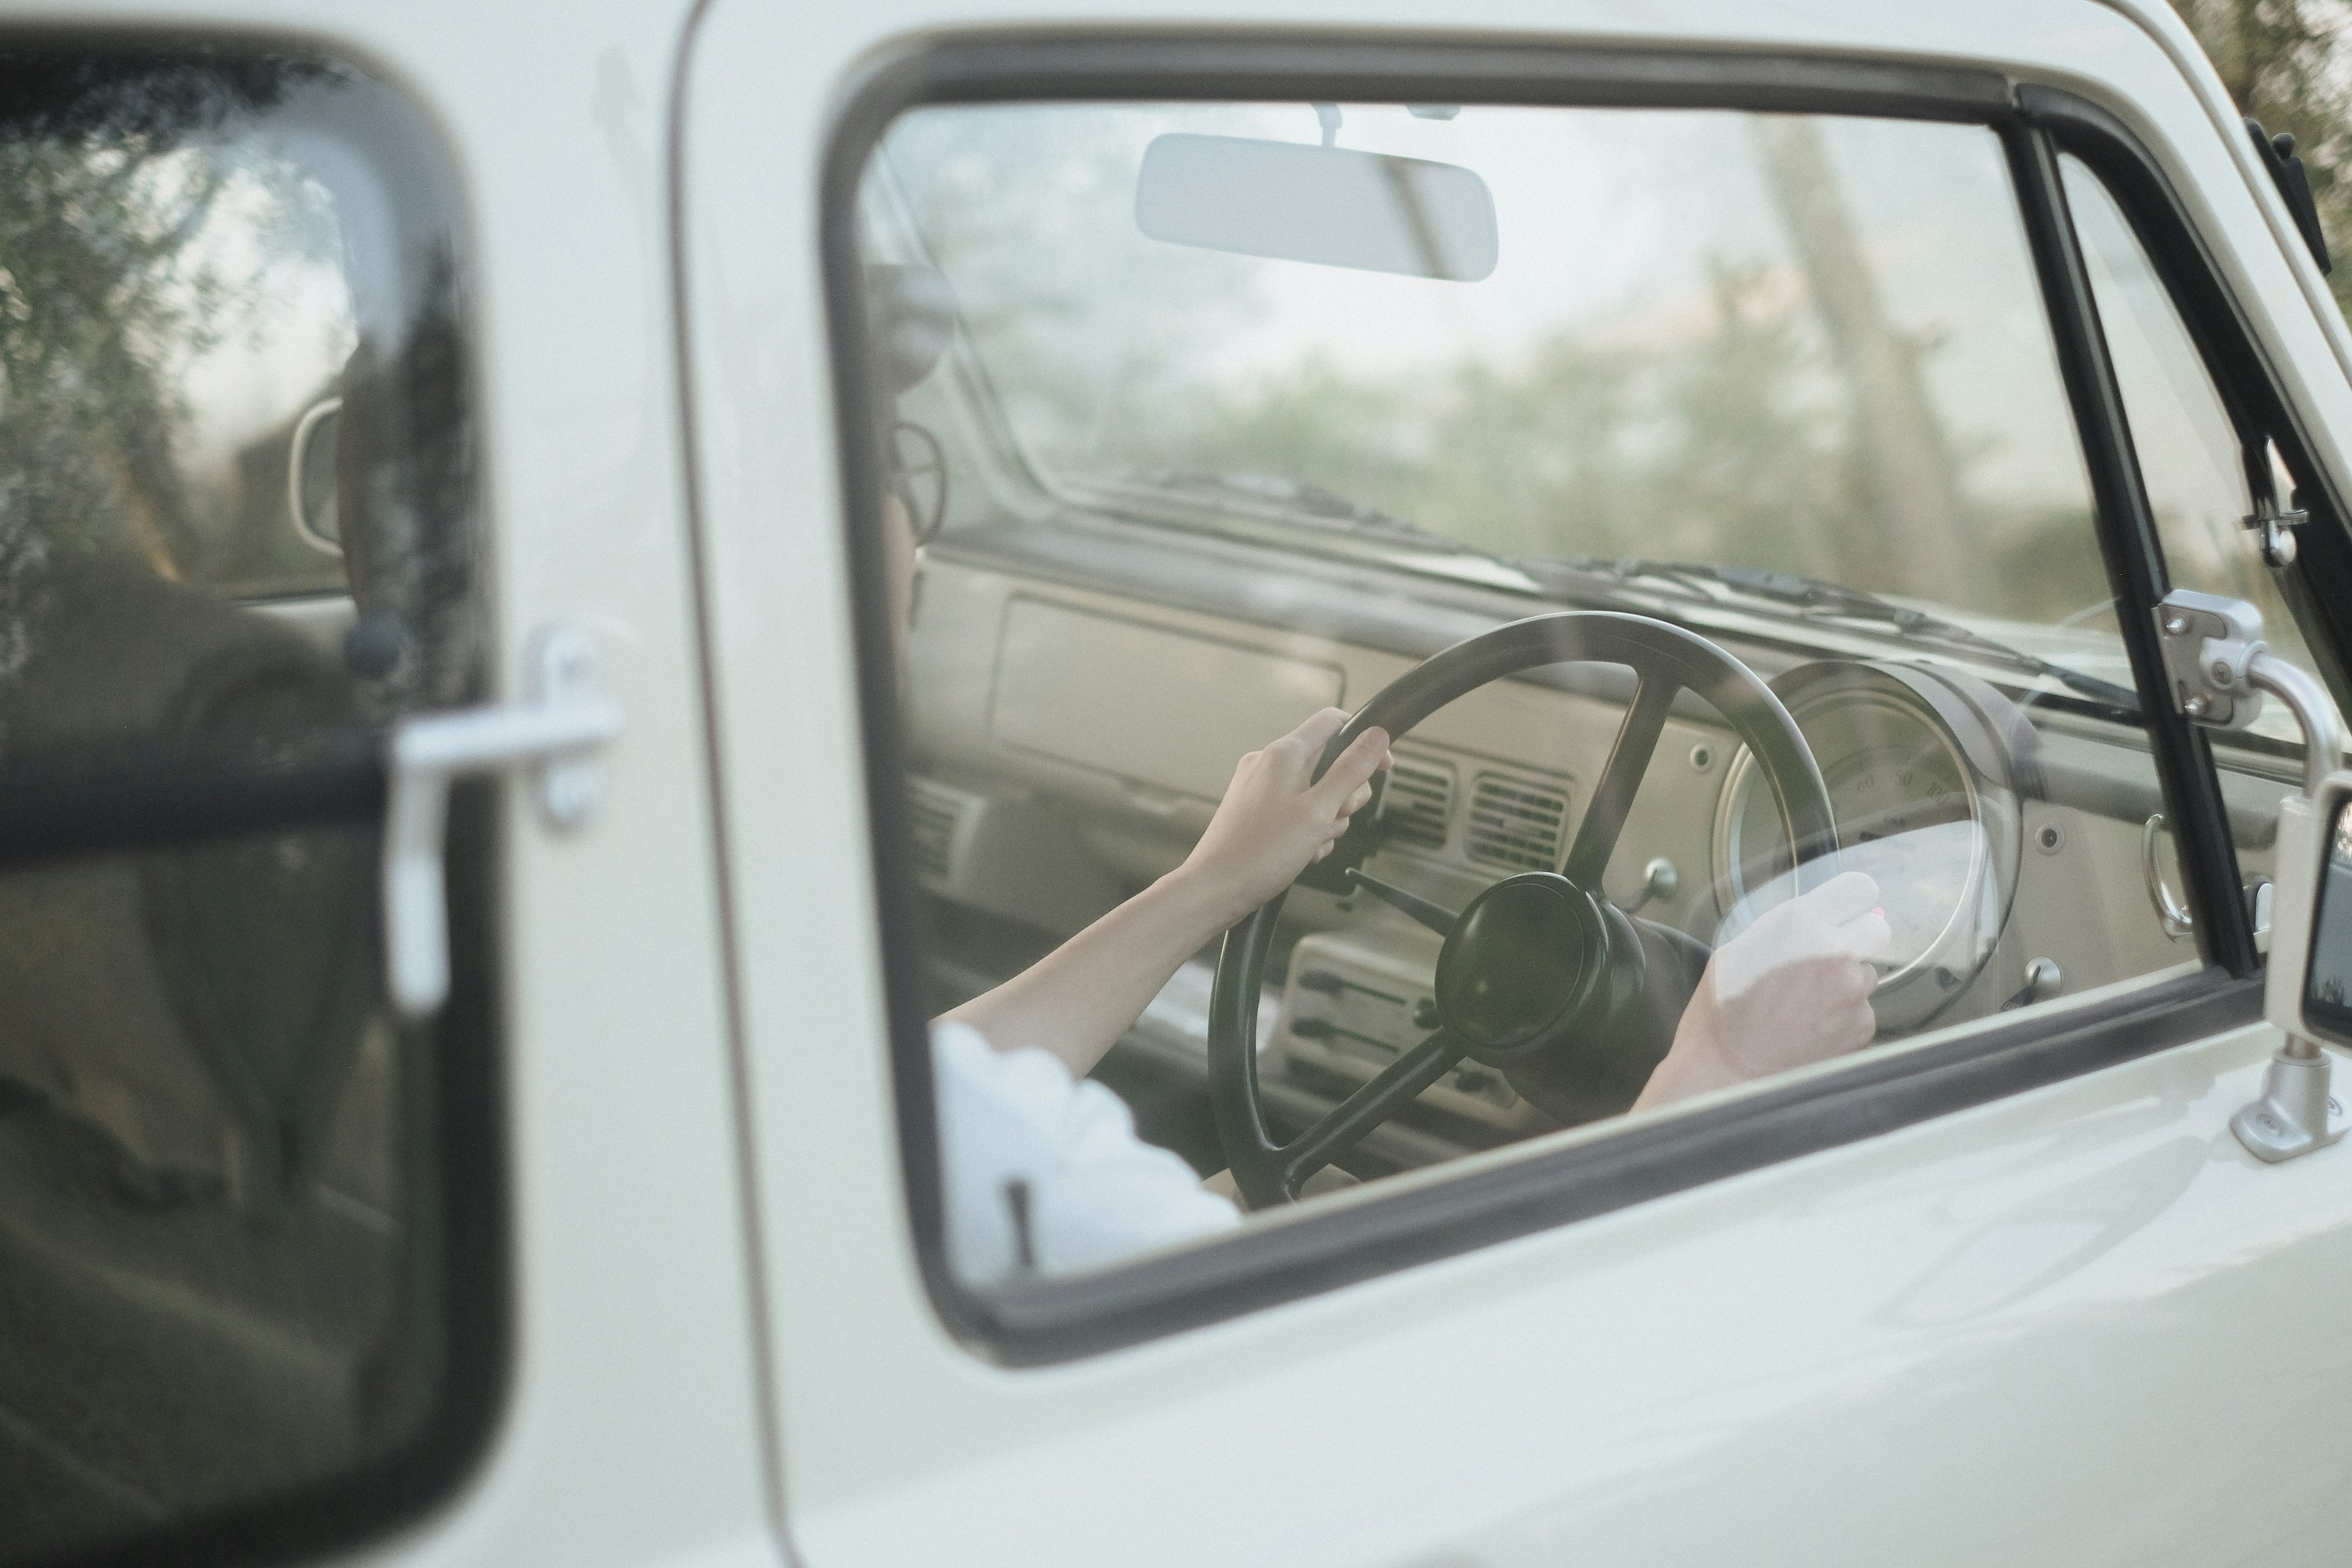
x=1332, y=206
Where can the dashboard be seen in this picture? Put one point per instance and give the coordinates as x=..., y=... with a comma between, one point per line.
x=1075, y=698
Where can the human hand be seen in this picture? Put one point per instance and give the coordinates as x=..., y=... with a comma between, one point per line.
x=1792, y=988
x=1277, y=818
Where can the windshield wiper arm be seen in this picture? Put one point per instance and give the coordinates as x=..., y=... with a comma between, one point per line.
x=1299, y=500
x=1816, y=599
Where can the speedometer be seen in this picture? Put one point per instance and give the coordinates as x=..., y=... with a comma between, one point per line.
x=1918, y=762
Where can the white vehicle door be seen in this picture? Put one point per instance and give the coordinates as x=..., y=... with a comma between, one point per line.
x=1868, y=376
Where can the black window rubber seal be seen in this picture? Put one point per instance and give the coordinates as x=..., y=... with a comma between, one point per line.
x=1043, y=1323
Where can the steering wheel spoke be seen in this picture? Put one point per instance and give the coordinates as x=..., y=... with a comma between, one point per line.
x=1436, y=915
x=1344, y=1126
x=1629, y=760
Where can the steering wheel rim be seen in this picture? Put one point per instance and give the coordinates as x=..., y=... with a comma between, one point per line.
x=1666, y=660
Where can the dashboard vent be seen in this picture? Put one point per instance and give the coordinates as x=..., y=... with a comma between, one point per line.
x=1418, y=809
x=1516, y=822
x=934, y=813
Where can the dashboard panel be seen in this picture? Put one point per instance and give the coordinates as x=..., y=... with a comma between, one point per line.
x=1076, y=698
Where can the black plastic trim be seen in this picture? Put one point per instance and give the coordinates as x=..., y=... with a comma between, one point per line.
x=1046, y=1322
x=1176, y=67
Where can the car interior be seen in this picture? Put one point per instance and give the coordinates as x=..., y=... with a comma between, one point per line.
x=1190, y=466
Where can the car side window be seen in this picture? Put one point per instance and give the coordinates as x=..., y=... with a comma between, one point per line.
x=1777, y=721
x=236, y=541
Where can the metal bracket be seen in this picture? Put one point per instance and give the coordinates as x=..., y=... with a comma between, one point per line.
x=2275, y=532
x=2210, y=643
x=2274, y=524
x=2296, y=1112
x=556, y=733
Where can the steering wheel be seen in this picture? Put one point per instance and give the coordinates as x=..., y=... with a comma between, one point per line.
x=1540, y=978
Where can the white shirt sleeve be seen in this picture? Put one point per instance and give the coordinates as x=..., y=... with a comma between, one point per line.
x=1098, y=1193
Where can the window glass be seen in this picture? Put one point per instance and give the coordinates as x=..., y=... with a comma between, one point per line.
x=2190, y=453
x=225, y=1275
x=1209, y=417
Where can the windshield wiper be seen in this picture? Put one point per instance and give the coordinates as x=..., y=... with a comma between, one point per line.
x=1312, y=505
x=1301, y=501
x=1816, y=599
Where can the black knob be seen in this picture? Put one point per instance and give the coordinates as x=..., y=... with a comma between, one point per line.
x=1424, y=1013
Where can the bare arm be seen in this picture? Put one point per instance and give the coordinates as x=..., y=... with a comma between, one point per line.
x=1078, y=1000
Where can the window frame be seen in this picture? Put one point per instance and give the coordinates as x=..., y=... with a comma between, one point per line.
x=1047, y=1321
x=153, y=790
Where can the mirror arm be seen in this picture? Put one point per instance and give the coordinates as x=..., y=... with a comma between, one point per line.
x=2323, y=731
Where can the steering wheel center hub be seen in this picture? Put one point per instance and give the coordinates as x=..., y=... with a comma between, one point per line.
x=1520, y=962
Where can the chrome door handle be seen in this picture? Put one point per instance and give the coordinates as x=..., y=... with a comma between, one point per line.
x=554, y=734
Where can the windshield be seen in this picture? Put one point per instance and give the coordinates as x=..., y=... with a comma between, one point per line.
x=1813, y=345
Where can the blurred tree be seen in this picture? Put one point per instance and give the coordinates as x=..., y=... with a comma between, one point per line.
x=2281, y=60
x=111, y=174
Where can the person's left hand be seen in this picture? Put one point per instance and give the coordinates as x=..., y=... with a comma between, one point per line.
x=1277, y=818
x=1792, y=988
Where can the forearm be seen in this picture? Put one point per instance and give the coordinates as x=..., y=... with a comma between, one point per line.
x=1080, y=998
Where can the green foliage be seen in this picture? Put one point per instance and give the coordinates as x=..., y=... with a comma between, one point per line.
x=2281, y=60
x=116, y=187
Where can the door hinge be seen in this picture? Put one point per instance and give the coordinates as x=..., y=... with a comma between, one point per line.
x=556, y=734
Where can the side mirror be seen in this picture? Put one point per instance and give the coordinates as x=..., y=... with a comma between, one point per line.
x=1292, y=202
x=2308, y=990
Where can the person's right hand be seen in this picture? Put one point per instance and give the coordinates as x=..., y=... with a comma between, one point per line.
x=1792, y=988
x=1277, y=818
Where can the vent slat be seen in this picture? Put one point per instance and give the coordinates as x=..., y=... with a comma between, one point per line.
x=1515, y=822
x=1419, y=812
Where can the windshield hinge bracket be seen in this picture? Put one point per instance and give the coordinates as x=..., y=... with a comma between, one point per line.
x=556, y=734
x=2272, y=524
x=2210, y=646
